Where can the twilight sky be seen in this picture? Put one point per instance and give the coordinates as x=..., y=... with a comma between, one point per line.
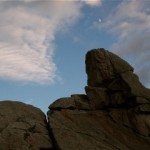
x=43, y=44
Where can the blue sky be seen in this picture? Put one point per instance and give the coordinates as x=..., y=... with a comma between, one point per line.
x=43, y=44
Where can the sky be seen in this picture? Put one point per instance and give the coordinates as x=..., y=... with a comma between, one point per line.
x=43, y=44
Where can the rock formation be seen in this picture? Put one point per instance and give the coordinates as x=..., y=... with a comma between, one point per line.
x=114, y=114
x=23, y=127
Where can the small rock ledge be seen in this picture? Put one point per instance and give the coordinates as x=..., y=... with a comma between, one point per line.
x=114, y=114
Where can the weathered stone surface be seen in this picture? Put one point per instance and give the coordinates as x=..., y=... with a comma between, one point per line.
x=141, y=124
x=114, y=113
x=103, y=66
x=107, y=71
x=81, y=101
x=93, y=130
x=76, y=101
x=63, y=103
x=143, y=108
x=138, y=101
x=98, y=97
x=138, y=122
x=116, y=99
x=136, y=88
x=119, y=65
x=98, y=67
x=23, y=127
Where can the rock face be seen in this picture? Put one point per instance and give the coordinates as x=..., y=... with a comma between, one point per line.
x=114, y=113
x=23, y=127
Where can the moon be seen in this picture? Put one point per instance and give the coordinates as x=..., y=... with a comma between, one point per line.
x=99, y=20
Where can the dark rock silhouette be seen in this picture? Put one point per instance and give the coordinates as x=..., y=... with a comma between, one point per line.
x=111, y=81
x=114, y=114
x=22, y=127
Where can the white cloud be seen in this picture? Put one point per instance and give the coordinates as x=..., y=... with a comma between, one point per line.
x=93, y=2
x=130, y=23
x=27, y=37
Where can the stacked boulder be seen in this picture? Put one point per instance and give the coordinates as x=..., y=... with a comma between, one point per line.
x=113, y=114
x=112, y=84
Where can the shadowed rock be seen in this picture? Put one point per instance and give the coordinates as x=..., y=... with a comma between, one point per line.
x=111, y=74
x=103, y=66
x=114, y=113
x=23, y=127
x=94, y=130
x=78, y=101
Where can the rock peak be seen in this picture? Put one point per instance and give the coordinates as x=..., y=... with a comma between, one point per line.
x=103, y=66
x=111, y=79
x=114, y=111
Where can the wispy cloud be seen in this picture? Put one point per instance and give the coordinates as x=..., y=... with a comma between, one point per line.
x=93, y=2
x=130, y=23
x=27, y=34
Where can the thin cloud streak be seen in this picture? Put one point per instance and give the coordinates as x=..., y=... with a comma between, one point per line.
x=93, y=2
x=27, y=38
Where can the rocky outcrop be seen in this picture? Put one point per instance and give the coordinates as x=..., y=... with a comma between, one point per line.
x=23, y=127
x=114, y=113
x=111, y=81
x=94, y=130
